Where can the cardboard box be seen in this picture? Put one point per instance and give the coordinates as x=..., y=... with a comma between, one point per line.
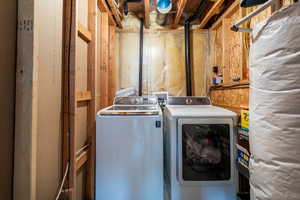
x=243, y=156
x=245, y=120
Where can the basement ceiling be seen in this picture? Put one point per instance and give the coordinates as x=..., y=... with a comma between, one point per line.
x=189, y=8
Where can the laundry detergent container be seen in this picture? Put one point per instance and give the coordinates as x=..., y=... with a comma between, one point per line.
x=275, y=107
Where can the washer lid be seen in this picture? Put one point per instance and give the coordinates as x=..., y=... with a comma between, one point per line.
x=136, y=100
x=130, y=110
x=198, y=111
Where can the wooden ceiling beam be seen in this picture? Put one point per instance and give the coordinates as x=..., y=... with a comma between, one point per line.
x=180, y=7
x=115, y=11
x=104, y=8
x=232, y=7
x=147, y=13
x=211, y=13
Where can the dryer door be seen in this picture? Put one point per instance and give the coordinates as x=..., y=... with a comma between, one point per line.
x=205, y=151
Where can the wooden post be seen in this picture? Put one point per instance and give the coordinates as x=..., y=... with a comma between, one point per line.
x=69, y=94
x=91, y=129
x=104, y=54
x=225, y=66
x=112, y=73
x=72, y=101
x=26, y=104
x=147, y=13
x=67, y=14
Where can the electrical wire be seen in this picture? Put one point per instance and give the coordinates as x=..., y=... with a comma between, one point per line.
x=82, y=149
x=63, y=182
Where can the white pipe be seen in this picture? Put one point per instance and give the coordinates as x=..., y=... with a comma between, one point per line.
x=235, y=27
x=63, y=182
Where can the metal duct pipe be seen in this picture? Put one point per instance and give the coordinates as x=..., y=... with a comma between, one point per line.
x=161, y=18
x=187, y=37
x=163, y=8
x=141, y=58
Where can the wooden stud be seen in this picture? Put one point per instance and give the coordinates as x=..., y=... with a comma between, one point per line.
x=69, y=95
x=84, y=33
x=72, y=101
x=225, y=30
x=180, y=7
x=25, y=160
x=244, y=50
x=104, y=9
x=230, y=98
x=211, y=13
x=91, y=120
x=112, y=65
x=67, y=15
x=83, y=96
x=81, y=159
x=147, y=13
x=104, y=52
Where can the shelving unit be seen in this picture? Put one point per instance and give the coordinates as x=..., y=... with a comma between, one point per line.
x=243, y=170
x=236, y=84
x=243, y=134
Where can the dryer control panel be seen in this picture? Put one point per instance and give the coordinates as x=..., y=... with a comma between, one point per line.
x=189, y=101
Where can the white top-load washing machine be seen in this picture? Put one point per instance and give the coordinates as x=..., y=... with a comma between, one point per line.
x=129, y=150
x=199, y=150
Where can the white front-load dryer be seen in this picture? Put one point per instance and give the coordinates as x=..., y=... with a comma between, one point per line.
x=199, y=151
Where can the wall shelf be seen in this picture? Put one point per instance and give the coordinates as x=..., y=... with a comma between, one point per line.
x=231, y=85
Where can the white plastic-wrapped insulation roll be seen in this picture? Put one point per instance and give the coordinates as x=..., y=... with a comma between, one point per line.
x=275, y=107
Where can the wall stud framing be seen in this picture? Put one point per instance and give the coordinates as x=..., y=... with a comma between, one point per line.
x=180, y=7
x=147, y=13
x=71, y=96
x=91, y=129
x=104, y=66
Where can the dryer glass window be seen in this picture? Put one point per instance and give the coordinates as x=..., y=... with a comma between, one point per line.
x=205, y=152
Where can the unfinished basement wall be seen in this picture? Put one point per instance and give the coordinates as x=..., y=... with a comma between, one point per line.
x=164, y=59
x=49, y=87
x=8, y=22
x=230, y=52
x=37, y=165
x=81, y=85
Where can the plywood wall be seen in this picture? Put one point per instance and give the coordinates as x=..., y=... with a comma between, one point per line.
x=8, y=21
x=164, y=60
x=230, y=52
x=230, y=98
x=81, y=85
x=37, y=160
x=49, y=87
x=227, y=50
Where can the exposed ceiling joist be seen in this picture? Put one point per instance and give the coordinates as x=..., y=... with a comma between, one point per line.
x=104, y=8
x=147, y=13
x=211, y=13
x=115, y=11
x=180, y=7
